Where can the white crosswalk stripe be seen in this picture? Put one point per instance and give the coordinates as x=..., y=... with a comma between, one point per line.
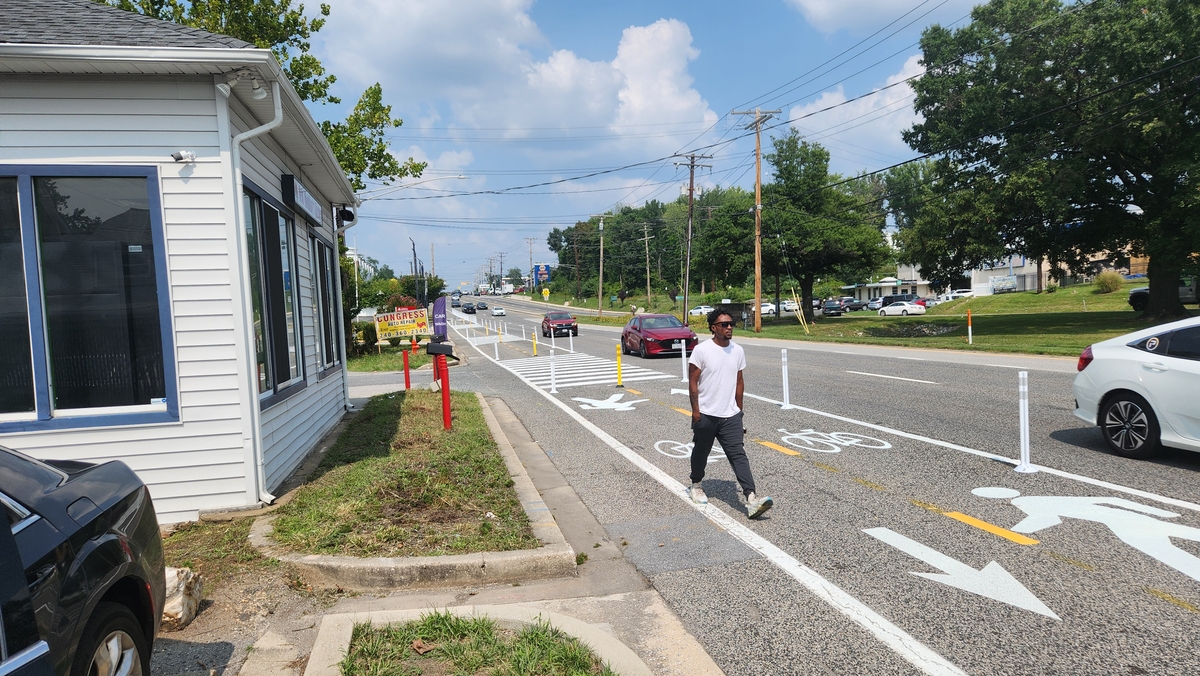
x=576, y=370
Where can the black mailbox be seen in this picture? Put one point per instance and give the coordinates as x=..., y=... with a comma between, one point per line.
x=439, y=348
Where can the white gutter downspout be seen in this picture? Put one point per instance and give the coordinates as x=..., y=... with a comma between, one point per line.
x=235, y=153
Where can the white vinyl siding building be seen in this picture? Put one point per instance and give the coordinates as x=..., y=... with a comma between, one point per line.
x=81, y=124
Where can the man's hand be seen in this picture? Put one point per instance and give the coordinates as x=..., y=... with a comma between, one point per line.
x=695, y=415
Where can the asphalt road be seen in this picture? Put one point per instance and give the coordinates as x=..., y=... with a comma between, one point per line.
x=893, y=546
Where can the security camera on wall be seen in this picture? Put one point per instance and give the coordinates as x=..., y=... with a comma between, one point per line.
x=183, y=156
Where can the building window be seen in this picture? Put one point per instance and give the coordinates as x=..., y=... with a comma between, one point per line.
x=272, y=252
x=84, y=313
x=324, y=301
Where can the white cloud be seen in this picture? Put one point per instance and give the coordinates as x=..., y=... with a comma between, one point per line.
x=866, y=132
x=828, y=16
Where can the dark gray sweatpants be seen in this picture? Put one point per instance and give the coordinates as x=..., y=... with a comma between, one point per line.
x=729, y=432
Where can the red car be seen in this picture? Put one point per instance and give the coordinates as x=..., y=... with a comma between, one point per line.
x=561, y=323
x=655, y=334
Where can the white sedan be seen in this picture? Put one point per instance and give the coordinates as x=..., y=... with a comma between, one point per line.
x=768, y=309
x=1140, y=389
x=498, y=311
x=902, y=308
x=700, y=310
x=789, y=305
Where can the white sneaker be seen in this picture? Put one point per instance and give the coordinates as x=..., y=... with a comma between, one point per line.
x=756, y=506
x=696, y=493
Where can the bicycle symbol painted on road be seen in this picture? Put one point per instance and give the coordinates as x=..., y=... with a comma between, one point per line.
x=678, y=449
x=829, y=442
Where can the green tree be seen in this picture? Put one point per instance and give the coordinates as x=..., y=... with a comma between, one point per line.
x=361, y=146
x=516, y=276
x=1080, y=121
x=823, y=230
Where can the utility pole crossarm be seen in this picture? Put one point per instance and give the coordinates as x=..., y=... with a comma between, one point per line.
x=760, y=116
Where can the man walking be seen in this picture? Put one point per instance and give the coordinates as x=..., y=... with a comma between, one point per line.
x=715, y=386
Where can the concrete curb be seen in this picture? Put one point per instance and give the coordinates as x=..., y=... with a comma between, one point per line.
x=555, y=558
x=333, y=638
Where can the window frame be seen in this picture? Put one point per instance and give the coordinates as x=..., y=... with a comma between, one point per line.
x=320, y=279
x=45, y=417
x=279, y=391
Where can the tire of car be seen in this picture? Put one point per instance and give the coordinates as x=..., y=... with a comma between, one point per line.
x=904, y=313
x=112, y=622
x=1138, y=303
x=1129, y=426
x=642, y=350
x=574, y=332
x=624, y=346
x=881, y=313
x=545, y=333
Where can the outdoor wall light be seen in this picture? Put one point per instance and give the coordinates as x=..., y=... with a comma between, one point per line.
x=256, y=90
x=183, y=156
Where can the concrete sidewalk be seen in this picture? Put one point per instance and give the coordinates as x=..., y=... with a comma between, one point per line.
x=608, y=593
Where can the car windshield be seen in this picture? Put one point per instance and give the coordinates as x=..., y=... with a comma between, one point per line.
x=560, y=315
x=661, y=323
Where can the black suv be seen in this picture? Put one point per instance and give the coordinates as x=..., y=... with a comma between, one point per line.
x=899, y=297
x=834, y=307
x=92, y=559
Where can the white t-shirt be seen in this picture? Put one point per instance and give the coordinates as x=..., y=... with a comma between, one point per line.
x=719, y=368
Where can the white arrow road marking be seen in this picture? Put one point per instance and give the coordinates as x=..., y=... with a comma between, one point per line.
x=613, y=403
x=992, y=581
x=676, y=390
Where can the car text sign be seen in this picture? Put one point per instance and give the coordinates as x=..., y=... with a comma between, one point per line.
x=402, y=323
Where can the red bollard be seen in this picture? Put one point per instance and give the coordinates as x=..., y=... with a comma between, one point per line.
x=414, y=345
x=407, y=384
x=441, y=362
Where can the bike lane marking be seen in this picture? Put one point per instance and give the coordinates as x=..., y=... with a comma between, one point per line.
x=899, y=641
x=880, y=375
x=991, y=456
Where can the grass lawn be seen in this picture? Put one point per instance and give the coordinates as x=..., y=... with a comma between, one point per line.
x=455, y=645
x=217, y=551
x=1081, y=298
x=390, y=359
x=396, y=484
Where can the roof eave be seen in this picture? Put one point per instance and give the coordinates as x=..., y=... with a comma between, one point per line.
x=220, y=56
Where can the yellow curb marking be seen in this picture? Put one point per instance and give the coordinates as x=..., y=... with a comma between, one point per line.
x=1171, y=599
x=776, y=447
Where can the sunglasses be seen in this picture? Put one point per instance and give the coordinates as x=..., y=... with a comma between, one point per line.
x=724, y=325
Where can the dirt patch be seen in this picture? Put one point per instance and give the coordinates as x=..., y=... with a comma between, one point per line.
x=924, y=330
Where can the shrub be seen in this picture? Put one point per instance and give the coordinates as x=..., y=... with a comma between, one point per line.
x=1051, y=288
x=1109, y=282
x=367, y=331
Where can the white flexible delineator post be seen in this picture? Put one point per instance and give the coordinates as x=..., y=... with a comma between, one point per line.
x=683, y=359
x=1025, y=467
x=553, y=389
x=786, y=391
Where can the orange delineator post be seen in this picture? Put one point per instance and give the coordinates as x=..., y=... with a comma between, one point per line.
x=445, y=374
x=970, y=334
x=407, y=383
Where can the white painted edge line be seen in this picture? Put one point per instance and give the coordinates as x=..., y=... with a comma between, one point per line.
x=912, y=358
x=880, y=375
x=901, y=642
x=992, y=456
x=1005, y=366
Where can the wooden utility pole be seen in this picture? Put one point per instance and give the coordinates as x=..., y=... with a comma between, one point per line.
x=760, y=116
x=687, y=270
x=432, y=261
x=600, y=285
x=532, y=281
x=646, y=237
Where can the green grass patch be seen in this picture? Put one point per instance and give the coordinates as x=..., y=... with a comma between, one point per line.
x=459, y=645
x=1078, y=298
x=390, y=359
x=215, y=550
x=1060, y=333
x=396, y=484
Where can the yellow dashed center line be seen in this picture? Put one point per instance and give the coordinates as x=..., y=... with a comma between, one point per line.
x=1171, y=599
x=681, y=410
x=868, y=484
x=828, y=468
x=991, y=528
x=1064, y=559
x=633, y=391
x=776, y=447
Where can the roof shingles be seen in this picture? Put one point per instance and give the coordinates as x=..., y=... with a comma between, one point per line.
x=84, y=22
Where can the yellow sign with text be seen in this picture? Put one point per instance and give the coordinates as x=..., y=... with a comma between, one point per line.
x=545, y=293
x=402, y=323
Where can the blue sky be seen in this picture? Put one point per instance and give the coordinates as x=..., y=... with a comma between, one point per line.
x=512, y=92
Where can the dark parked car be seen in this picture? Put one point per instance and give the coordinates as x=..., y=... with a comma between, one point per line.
x=834, y=307
x=655, y=334
x=853, y=304
x=24, y=653
x=898, y=298
x=468, y=308
x=561, y=323
x=92, y=558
